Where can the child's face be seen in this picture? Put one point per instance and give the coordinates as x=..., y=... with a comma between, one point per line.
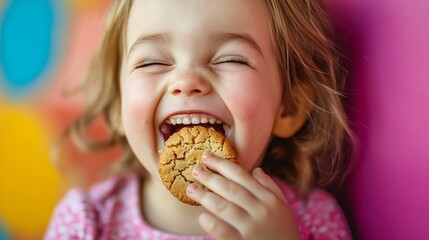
x=199, y=60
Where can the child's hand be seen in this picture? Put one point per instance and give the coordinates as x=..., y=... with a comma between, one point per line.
x=243, y=206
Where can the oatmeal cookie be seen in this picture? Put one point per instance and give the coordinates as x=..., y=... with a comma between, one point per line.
x=183, y=151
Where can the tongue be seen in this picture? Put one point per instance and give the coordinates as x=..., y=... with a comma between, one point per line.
x=168, y=129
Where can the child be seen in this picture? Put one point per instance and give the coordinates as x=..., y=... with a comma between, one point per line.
x=264, y=70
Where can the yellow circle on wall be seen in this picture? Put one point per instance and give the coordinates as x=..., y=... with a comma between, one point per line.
x=29, y=185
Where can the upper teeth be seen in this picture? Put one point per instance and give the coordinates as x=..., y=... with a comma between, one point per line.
x=193, y=119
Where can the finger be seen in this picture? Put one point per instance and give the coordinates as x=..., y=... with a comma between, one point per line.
x=227, y=211
x=239, y=199
x=268, y=183
x=233, y=172
x=217, y=228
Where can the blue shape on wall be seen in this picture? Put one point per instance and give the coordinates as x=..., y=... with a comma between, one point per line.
x=3, y=235
x=26, y=44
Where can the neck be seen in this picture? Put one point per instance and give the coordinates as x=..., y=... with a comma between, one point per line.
x=164, y=212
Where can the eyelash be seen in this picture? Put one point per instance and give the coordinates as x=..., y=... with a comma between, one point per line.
x=236, y=60
x=151, y=63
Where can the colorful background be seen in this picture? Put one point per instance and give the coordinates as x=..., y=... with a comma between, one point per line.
x=45, y=46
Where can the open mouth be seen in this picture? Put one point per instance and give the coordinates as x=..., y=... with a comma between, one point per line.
x=174, y=123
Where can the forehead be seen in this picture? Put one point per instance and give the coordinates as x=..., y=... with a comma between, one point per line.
x=197, y=18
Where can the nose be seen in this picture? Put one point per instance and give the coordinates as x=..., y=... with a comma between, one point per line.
x=189, y=83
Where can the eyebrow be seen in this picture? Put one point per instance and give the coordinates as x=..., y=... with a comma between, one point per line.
x=226, y=37
x=165, y=38
x=161, y=38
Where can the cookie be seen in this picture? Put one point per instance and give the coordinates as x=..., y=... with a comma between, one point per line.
x=183, y=151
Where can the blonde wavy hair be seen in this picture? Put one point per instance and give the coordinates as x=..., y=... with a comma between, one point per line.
x=307, y=57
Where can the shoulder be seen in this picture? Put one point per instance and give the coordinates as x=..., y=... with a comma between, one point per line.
x=324, y=216
x=74, y=216
x=81, y=212
x=318, y=214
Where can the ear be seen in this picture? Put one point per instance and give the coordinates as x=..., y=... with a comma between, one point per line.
x=286, y=126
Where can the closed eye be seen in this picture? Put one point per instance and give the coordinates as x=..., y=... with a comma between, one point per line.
x=232, y=59
x=152, y=63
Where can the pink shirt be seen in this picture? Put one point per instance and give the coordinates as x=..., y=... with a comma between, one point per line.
x=111, y=210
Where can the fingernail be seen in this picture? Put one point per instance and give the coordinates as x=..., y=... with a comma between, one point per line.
x=191, y=188
x=198, y=170
x=259, y=171
x=206, y=156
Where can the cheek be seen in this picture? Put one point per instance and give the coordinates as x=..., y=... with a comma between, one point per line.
x=138, y=99
x=135, y=106
x=138, y=106
x=254, y=104
x=254, y=100
x=255, y=111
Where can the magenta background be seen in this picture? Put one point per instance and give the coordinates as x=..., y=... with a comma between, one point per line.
x=387, y=194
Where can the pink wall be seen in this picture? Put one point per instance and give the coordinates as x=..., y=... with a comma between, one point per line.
x=387, y=194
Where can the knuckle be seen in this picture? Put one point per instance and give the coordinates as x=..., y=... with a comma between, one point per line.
x=221, y=207
x=238, y=171
x=263, y=213
x=271, y=200
x=232, y=188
